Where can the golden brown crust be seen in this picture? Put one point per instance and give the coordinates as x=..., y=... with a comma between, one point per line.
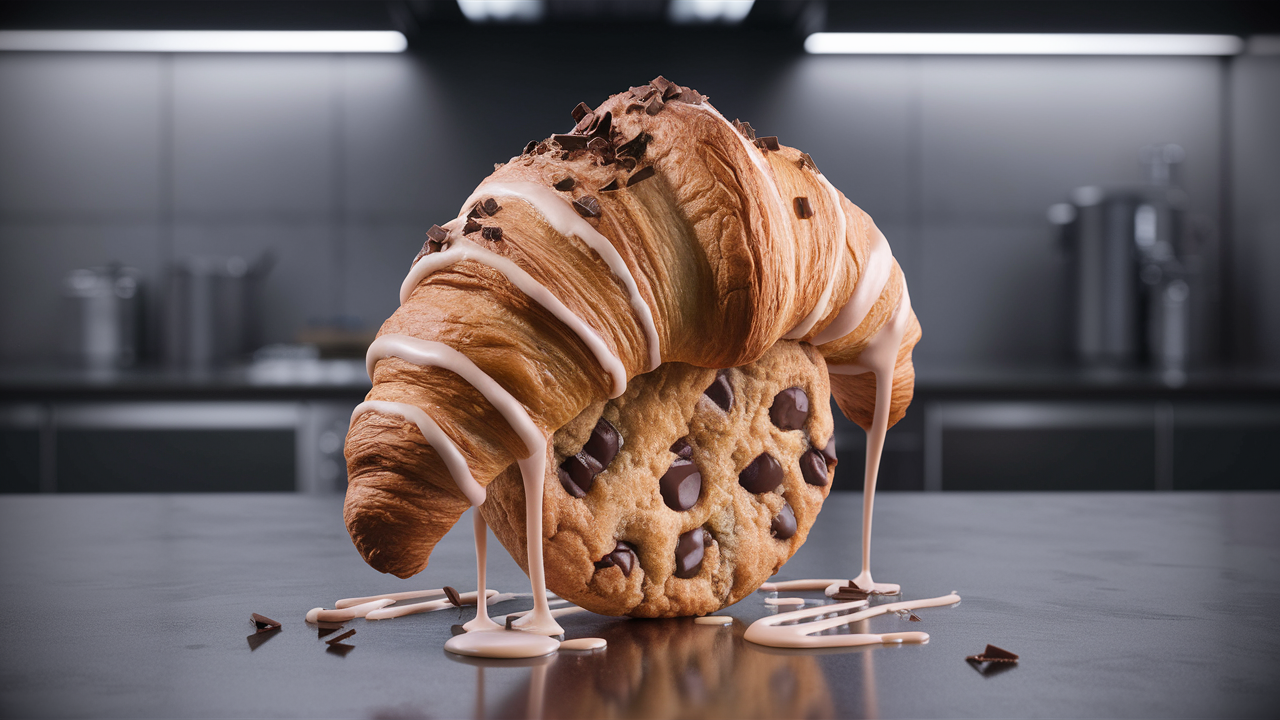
x=718, y=254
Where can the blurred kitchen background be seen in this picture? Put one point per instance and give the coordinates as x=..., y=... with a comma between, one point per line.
x=196, y=247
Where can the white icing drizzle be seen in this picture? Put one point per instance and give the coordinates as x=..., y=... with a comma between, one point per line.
x=347, y=613
x=492, y=597
x=462, y=249
x=785, y=585
x=784, y=601
x=590, y=643
x=842, y=249
x=565, y=220
x=713, y=620
x=870, y=285
x=394, y=597
x=773, y=632
x=449, y=454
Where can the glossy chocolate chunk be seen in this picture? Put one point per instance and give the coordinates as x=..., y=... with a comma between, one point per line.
x=578, y=473
x=721, y=392
x=689, y=551
x=565, y=185
x=682, y=448
x=587, y=206
x=602, y=126
x=769, y=142
x=570, y=142
x=643, y=173
x=452, y=595
x=813, y=468
x=762, y=475
x=604, y=443
x=784, y=523
x=745, y=128
x=803, y=209
x=613, y=185
x=530, y=147
x=491, y=206
x=471, y=226
x=790, y=409
x=829, y=452
x=598, y=145
x=623, y=556
x=263, y=623
x=580, y=111
x=437, y=233
x=681, y=485
x=635, y=146
x=654, y=106
x=491, y=233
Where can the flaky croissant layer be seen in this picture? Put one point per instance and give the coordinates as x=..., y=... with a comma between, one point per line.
x=656, y=231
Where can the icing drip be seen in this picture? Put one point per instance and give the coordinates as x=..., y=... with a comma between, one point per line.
x=453, y=460
x=773, y=631
x=481, y=621
x=462, y=249
x=713, y=620
x=561, y=216
x=842, y=249
x=584, y=644
x=880, y=357
x=870, y=285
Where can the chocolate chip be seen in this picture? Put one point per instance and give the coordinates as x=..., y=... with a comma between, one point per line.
x=470, y=227
x=720, y=392
x=642, y=92
x=454, y=598
x=829, y=452
x=762, y=475
x=745, y=128
x=813, y=468
x=587, y=206
x=491, y=206
x=580, y=111
x=263, y=623
x=578, y=473
x=570, y=142
x=784, y=523
x=604, y=443
x=654, y=105
x=681, y=485
x=598, y=145
x=603, y=126
x=806, y=161
x=530, y=147
x=437, y=233
x=803, y=210
x=662, y=84
x=769, y=142
x=585, y=123
x=565, y=185
x=682, y=448
x=623, y=557
x=790, y=409
x=643, y=173
x=689, y=551
x=635, y=146
x=491, y=233
x=613, y=185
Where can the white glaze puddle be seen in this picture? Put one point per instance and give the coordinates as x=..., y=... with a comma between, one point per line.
x=713, y=620
x=773, y=632
x=501, y=644
x=584, y=644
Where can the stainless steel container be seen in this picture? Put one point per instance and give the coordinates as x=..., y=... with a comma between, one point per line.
x=212, y=311
x=103, y=309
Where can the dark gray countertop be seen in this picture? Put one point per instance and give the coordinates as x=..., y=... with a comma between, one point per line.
x=1121, y=605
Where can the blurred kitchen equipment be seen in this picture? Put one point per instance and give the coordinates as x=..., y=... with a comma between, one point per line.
x=213, y=309
x=1136, y=267
x=103, y=313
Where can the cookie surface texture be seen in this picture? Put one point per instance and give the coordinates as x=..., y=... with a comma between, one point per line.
x=691, y=506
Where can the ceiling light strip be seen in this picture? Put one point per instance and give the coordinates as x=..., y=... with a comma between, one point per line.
x=204, y=41
x=1019, y=44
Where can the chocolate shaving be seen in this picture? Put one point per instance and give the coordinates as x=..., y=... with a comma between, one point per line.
x=437, y=233
x=662, y=84
x=745, y=128
x=994, y=654
x=587, y=206
x=602, y=128
x=643, y=92
x=769, y=142
x=492, y=233
x=585, y=122
x=598, y=145
x=635, y=147
x=264, y=623
x=806, y=161
x=491, y=206
x=580, y=111
x=471, y=227
x=452, y=595
x=643, y=173
x=530, y=147
x=626, y=163
x=570, y=142
x=510, y=622
x=654, y=106
x=803, y=210
x=565, y=185
x=613, y=185
x=914, y=618
x=341, y=637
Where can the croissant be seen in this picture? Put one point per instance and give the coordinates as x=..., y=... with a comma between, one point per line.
x=656, y=231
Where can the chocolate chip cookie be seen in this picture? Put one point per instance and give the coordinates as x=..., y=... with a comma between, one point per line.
x=684, y=494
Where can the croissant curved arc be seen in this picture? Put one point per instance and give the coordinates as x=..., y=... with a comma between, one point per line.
x=665, y=236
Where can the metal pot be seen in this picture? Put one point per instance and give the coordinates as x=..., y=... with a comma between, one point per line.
x=103, y=309
x=211, y=318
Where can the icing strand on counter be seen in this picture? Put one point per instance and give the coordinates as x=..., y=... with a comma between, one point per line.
x=435, y=437
x=562, y=218
x=879, y=357
x=842, y=250
x=394, y=597
x=875, y=275
x=462, y=249
x=492, y=597
x=429, y=353
x=778, y=630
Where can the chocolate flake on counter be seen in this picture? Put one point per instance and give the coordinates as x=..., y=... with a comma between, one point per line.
x=994, y=654
x=452, y=595
x=643, y=173
x=530, y=147
x=790, y=409
x=587, y=206
x=654, y=106
x=720, y=392
x=623, y=557
x=580, y=111
x=745, y=128
x=813, y=468
x=511, y=622
x=457, y=630
x=804, y=211
x=690, y=549
x=783, y=525
x=341, y=637
x=914, y=618
x=570, y=142
x=681, y=485
x=762, y=475
x=491, y=206
x=565, y=185
x=769, y=142
x=613, y=185
x=264, y=623
x=471, y=226
x=491, y=233
x=682, y=448
x=437, y=233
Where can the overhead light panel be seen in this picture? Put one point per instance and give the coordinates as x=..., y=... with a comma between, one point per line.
x=685, y=12
x=502, y=10
x=204, y=41
x=1019, y=44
